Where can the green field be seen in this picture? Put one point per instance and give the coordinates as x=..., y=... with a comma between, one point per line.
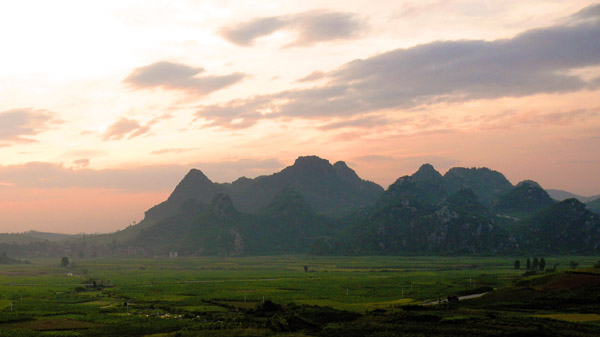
x=130, y=296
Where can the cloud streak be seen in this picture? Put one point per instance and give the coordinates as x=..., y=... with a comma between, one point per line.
x=129, y=128
x=19, y=125
x=310, y=27
x=125, y=127
x=362, y=123
x=176, y=76
x=533, y=62
x=510, y=119
x=42, y=175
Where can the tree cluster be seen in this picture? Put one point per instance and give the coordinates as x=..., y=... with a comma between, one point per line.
x=536, y=265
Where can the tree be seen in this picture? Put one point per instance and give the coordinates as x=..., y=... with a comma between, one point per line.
x=542, y=264
x=535, y=264
x=64, y=261
x=517, y=264
x=528, y=264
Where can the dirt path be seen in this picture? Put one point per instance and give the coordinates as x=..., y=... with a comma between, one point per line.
x=460, y=298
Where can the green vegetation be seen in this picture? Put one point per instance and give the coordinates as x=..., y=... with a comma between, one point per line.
x=525, y=199
x=295, y=296
x=7, y=260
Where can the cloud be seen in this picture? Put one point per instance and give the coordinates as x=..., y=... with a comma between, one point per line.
x=589, y=12
x=125, y=127
x=239, y=113
x=177, y=76
x=411, y=10
x=310, y=27
x=170, y=150
x=84, y=153
x=41, y=175
x=19, y=124
x=319, y=26
x=533, y=62
x=245, y=33
x=410, y=161
x=314, y=76
x=510, y=119
x=129, y=128
x=82, y=162
x=363, y=123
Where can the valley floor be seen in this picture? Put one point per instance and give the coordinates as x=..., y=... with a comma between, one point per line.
x=297, y=296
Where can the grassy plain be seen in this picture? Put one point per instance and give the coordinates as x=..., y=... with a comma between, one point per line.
x=130, y=296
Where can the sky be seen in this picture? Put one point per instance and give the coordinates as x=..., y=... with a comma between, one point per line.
x=105, y=105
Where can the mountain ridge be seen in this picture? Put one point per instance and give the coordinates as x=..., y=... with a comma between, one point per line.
x=561, y=195
x=329, y=189
x=317, y=207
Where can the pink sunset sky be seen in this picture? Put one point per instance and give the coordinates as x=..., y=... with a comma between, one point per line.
x=105, y=105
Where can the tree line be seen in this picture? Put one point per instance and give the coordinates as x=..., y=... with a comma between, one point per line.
x=535, y=265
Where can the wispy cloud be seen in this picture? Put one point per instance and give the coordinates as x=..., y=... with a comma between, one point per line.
x=591, y=12
x=19, y=125
x=314, y=76
x=533, y=62
x=43, y=175
x=85, y=162
x=363, y=123
x=177, y=76
x=245, y=33
x=170, y=150
x=511, y=119
x=129, y=128
x=124, y=127
x=310, y=27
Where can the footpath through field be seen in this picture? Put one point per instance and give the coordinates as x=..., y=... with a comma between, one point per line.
x=460, y=298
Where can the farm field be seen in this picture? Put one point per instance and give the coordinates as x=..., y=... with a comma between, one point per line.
x=291, y=295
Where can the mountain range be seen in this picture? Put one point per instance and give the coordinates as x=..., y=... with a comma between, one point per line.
x=317, y=207
x=561, y=195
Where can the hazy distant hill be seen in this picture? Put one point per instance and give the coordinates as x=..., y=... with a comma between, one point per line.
x=34, y=236
x=594, y=206
x=561, y=195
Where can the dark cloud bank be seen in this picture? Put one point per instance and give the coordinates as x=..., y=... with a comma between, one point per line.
x=533, y=62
